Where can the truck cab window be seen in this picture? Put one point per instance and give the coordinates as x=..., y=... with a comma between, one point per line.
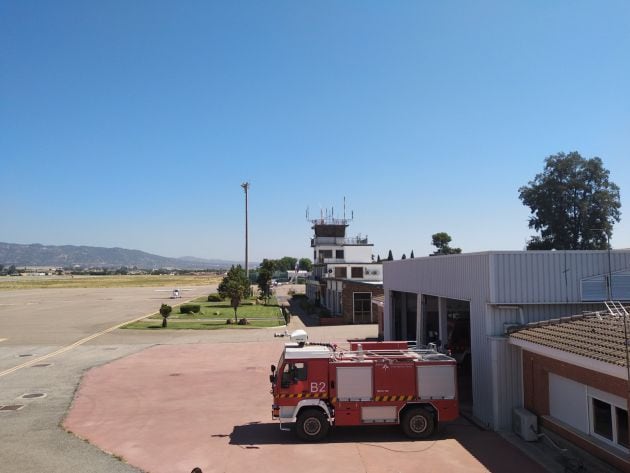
x=293, y=372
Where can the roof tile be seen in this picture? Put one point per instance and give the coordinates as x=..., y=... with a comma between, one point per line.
x=600, y=336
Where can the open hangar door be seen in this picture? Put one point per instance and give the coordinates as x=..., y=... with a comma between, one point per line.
x=446, y=322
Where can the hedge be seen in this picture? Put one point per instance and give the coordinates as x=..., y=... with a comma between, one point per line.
x=189, y=309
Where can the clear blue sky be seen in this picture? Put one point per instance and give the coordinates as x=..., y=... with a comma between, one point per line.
x=133, y=124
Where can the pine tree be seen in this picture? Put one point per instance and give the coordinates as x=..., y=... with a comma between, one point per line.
x=390, y=256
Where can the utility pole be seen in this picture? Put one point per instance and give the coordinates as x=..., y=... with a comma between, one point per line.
x=245, y=186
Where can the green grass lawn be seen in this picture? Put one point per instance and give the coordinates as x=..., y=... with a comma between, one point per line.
x=213, y=315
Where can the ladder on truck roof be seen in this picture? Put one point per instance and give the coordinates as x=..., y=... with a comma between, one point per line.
x=390, y=354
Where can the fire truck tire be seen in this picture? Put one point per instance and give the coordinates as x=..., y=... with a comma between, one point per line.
x=312, y=425
x=418, y=423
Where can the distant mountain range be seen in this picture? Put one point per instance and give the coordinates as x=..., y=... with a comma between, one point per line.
x=93, y=256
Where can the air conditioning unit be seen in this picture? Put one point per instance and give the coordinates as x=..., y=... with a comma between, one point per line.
x=525, y=424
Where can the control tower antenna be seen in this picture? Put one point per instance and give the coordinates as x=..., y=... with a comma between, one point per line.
x=327, y=216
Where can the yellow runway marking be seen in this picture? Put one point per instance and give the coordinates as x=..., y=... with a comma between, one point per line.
x=69, y=347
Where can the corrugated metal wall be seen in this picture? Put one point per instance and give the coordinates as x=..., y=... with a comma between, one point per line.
x=507, y=387
x=498, y=316
x=539, y=277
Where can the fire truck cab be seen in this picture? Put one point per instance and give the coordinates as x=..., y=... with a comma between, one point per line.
x=317, y=386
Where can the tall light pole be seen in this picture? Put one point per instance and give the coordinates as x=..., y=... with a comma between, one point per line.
x=245, y=186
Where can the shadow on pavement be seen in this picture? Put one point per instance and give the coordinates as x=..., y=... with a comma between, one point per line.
x=270, y=434
x=488, y=448
x=491, y=450
x=309, y=320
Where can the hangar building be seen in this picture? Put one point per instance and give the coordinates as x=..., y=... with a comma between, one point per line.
x=467, y=303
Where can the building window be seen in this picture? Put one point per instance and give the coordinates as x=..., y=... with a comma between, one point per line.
x=325, y=254
x=341, y=272
x=339, y=254
x=357, y=272
x=602, y=419
x=622, y=427
x=609, y=422
x=362, y=307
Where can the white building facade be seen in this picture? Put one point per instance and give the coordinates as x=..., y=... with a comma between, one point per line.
x=336, y=258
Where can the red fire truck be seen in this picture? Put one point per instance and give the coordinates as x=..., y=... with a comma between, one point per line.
x=317, y=386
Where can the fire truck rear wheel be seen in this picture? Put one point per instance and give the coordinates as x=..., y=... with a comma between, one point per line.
x=418, y=423
x=312, y=425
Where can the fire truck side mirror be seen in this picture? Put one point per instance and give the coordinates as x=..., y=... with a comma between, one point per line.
x=273, y=368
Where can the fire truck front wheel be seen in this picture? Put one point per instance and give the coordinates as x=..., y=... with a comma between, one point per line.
x=312, y=425
x=418, y=423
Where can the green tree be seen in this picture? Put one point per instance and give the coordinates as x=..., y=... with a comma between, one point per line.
x=378, y=258
x=165, y=311
x=265, y=273
x=573, y=204
x=235, y=287
x=12, y=269
x=305, y=264
x=390, y=256
x=441, y=241
x=404, y=256
x=411, y=255
x=286, y=263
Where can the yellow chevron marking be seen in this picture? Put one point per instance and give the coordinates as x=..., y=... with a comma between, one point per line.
x=400, y=397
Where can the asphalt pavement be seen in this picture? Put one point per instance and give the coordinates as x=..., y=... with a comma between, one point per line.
x=169, y=400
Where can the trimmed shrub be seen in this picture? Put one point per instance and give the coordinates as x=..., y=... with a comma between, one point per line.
x=215, y=297
x=229, y=321
x=243, y=321
x=189, y=309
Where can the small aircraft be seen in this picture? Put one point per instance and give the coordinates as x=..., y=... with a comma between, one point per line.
x=175, y=293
